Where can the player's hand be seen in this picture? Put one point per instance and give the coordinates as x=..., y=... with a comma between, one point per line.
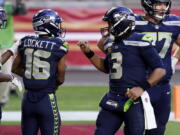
x=17, y=83
x=84, y=46
x=134, y=93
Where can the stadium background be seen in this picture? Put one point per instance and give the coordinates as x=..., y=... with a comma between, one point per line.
x=82, y=20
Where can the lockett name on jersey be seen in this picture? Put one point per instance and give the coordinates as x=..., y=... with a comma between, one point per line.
x=39, y=44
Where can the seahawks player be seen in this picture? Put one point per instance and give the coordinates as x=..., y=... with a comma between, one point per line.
x=41, y=63
x=127, y=61
x=165, y=29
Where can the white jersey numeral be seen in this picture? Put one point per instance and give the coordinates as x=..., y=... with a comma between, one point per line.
x=116, y=65
x=36, y=67
x=159, y=36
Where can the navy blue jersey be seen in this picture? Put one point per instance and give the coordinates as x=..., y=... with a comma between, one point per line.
x=163, y=34
x=40, y=58
x=129, y=60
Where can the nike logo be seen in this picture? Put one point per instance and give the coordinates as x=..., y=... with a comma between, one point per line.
x=168, y=92
x=136, y=102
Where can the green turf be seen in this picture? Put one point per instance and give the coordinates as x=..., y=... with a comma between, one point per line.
x=80, y=98
x=69, y=98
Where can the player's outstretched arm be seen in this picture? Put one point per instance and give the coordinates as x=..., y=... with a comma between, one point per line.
x=16, y=67
x=5, y=77
x=97, y=61
x=5, y=56
x=154, y=77
x=10, y=52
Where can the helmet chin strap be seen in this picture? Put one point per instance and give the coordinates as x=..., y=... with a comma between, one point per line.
x=159, y=17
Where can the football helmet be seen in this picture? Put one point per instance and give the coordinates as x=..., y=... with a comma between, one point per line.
x=121, y=22
x=3, y=18
x=157, y=14
x=48, y=22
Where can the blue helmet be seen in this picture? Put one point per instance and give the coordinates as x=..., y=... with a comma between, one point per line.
x=3, y=18
x=151, y=11
x=47, y=22
x=121, y=21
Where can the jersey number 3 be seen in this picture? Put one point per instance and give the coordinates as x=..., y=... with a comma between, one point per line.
x=116, y=65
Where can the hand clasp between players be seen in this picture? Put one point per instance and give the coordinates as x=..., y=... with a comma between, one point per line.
x=134, y=93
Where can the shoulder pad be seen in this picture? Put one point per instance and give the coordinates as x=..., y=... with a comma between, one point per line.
x=64, y=46
x=172, y=20
x=172, y=23
x=147, y=38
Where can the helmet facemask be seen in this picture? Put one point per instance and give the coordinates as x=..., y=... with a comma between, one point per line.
x=153, y=8
x=160, y=14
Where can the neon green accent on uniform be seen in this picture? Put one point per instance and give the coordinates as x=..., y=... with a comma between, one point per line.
x=147, y=38
x=65, y=44
x=7, y=35
x=128, y=103
x=55, y=113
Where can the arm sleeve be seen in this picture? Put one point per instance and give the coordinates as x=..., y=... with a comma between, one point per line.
x=151, y=57
x=63, y=49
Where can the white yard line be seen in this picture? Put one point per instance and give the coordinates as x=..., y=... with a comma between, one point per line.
x=65, y=116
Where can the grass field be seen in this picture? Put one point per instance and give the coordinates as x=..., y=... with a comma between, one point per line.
x=80, y=98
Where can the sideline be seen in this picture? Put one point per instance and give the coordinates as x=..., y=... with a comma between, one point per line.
x=65, y=116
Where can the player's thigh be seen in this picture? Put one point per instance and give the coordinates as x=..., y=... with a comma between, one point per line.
x=49, y=119
x=162, y=110
x=162, y=107
x=134, y=120
x=108, y=122
x=29, y=123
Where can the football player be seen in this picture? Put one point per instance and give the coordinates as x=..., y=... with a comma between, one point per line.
x=127, y=61
x=41, y=63
x=5, y=77
x=164, y=29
